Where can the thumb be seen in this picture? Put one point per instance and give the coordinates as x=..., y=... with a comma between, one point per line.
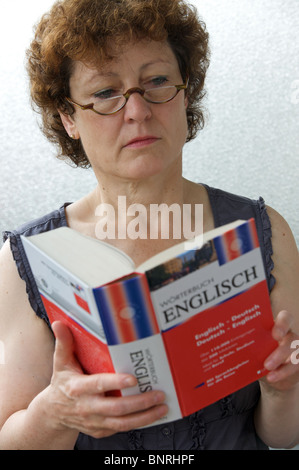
x=282, y=326
x=64, y=357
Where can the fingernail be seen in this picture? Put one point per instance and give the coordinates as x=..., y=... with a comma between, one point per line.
x=162, y=410
x=129, y=381
x=272, y=376
x=269, y=365
x=279, y=333
x=159, y=397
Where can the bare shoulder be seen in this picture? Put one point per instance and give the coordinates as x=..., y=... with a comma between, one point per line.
x=27, y=343
x=15, y=309
x=285, y=294
x=81, y=214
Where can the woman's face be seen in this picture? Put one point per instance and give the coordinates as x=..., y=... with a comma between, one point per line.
x=143, y=139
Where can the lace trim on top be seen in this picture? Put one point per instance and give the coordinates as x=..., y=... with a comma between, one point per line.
x=267, y=238
x=24, y=271
x=53, y=220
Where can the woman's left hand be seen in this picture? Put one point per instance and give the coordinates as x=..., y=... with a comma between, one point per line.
x=283, y=362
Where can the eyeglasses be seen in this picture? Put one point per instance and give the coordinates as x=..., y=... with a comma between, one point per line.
x=110, y=102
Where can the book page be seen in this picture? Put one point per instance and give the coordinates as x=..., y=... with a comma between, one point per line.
x=93, y=261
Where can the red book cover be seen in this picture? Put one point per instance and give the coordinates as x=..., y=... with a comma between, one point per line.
x=221, y=349
x=92, y=353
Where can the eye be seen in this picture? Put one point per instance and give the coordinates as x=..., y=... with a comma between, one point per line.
x=158, y=81
x=107, y=94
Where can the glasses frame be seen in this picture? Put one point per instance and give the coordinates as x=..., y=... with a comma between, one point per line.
x=127, y=95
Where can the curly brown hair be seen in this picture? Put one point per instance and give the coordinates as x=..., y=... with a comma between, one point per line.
x=82, y=30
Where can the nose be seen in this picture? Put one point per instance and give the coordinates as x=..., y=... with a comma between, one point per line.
x=137, y=108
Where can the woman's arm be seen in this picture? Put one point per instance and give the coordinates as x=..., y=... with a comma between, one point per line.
x=45, y=399
x=277, y=415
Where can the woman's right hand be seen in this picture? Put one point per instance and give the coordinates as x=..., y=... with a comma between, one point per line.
x=79, y=402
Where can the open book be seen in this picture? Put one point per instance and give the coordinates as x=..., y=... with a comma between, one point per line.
x=194, y=321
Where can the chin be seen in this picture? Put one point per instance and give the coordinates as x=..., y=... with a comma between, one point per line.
x=145, y=168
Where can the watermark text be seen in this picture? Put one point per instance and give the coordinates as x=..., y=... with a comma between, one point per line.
x=295, y=354
x=157, y=221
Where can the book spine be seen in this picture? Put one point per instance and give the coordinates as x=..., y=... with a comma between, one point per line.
x=134, y=340
x=146, y=359
x=126, y=310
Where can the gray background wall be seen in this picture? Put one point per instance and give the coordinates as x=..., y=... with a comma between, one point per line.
x=250, y=145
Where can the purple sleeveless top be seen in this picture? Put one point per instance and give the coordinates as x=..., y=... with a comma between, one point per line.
x=226, y=424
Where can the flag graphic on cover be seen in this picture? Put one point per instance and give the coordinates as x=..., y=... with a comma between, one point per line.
x=82, y=303
x=126, y=310
x=236, y=242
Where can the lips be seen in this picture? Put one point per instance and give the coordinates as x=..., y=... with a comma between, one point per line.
x=141, y=141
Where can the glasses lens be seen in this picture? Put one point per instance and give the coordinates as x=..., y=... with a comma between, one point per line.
x=109, y=106
x=161, y=94
x=153, y=95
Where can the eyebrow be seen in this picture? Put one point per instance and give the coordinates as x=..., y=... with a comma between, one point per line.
x=109, y=74
x=154, y=62
x=98, y=74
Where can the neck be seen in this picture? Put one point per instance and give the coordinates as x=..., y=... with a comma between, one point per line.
x=167, y=188
x=116, y=206
x=127, y=208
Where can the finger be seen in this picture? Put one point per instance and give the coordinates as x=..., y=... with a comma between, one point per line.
x=282, y=353
x=98, y=384
x=100, y=425
x=97, y=407
x=123, y=406
x=285, y=375
x=283, y=324
x=136, y=420
x=64, y=347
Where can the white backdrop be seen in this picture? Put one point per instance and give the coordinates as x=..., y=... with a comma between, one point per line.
x=250, y=145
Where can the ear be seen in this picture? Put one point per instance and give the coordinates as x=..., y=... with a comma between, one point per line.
x=186, y=102
x=69, y=125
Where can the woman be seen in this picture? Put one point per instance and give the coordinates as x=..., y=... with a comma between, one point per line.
x=119, y=85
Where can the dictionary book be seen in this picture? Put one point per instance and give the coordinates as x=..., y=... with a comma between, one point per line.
x=194, y=321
